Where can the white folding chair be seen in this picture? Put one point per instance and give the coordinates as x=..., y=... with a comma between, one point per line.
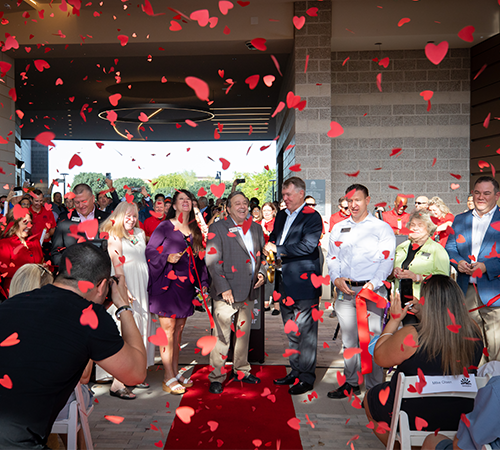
x=406, y=437
x=77, y=418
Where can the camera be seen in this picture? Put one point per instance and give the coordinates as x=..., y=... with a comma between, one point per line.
x=240, y=180
x=136, y=189
x=108, y=300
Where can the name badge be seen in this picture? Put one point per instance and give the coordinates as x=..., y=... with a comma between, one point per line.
x=75, y=219
x=233, y=229
x=345, y=230
x=427, y=255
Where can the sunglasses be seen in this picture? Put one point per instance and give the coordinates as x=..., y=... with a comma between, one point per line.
x=311, y=204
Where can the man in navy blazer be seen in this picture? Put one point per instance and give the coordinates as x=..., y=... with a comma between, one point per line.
x=294, y=240
x=473, y=252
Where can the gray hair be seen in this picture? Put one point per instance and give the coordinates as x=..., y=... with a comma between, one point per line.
x=425, y=217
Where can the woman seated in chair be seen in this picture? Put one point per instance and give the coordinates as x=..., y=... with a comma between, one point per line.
x=445, y=342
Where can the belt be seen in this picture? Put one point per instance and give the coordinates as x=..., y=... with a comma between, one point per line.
x=357, y=283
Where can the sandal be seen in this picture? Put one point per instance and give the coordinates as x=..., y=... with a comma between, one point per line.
x=176, y=388
x=124, y=394
x=187, y=383
x=140, y=386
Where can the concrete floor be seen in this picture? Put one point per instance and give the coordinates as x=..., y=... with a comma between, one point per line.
x=335, y=421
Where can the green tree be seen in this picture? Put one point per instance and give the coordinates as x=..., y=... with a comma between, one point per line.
x=93, y=179
x=205, y=184
x=258, y=185
x=167, y=184
x=131, y=183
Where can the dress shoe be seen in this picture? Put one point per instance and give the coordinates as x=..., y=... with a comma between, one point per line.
x=200, y=308
x=276, y=312
x=339, y=393
x=289, y=379
x=300, y=388
x=251, y=379
x=216, y=388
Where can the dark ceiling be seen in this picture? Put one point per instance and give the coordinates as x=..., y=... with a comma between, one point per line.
x=91, y=80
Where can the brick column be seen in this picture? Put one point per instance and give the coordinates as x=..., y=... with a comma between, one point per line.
x=313, y=146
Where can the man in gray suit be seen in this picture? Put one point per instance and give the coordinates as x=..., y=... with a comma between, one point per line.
x=234, y=258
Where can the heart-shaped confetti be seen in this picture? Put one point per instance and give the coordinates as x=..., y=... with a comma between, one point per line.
x=218, y=189
x=252, y=81
x=225, y=6
x=201, y=16
x=207, y=344
x=184, y=413
x=259, y=44
x=436, y=53
x=466, y=33
x=335, y=129
x=123, y=40
x=159, y=339
x=75, y=161
x=6, y=382
x=174, y=26
x=299, y=22
x=10, y=341
x=200, y=88
x=268, y=80
x=88, y=317
x=45, y=138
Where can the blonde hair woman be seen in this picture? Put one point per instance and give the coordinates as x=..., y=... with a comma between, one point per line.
x=127, y=247
x=30, y=277
x=443, y=218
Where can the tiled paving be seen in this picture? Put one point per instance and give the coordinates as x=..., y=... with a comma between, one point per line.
x=154, y=407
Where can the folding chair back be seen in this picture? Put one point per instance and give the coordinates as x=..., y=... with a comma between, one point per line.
x=406, y=437
x=77, y=418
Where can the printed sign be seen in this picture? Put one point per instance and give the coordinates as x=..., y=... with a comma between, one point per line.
x=449, y=383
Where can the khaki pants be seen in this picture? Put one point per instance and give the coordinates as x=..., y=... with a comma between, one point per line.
x=223, y=314
x=488, y=320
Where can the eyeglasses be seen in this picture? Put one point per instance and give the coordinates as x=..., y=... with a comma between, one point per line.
x=345, y=208
x=311, y=204
x=420, y=203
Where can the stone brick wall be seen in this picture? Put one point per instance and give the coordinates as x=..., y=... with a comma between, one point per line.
x=313, y=147
x=376, y=122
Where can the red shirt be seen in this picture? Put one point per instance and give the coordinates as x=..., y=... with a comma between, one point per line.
x=443, y=235
x=41, y=220
x=336, y=218
x=13, y=251
x=396, y=221
x=268, y=228
x=150, y=225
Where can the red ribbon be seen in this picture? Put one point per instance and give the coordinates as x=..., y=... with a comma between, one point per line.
x=203, y=295
x=363, y=330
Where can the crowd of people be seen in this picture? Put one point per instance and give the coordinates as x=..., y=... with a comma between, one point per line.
x=116, y=264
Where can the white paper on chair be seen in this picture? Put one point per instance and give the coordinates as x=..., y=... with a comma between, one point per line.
x=449, y=383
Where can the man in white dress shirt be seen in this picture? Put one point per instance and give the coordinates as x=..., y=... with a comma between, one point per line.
x=360, y=255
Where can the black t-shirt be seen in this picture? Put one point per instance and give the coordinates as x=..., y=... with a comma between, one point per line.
x=47, y=363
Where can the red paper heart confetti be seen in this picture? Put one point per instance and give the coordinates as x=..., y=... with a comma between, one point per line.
x=295, y=168
x=123, y=40
x=383, y=395
x=466, y=33
x=6, y=382
x=85, y=286
x=201, y=16
x=294, y=423
x=45, y=138
x=207, y=344
x=259, y=44
x=40, y=65
x=299, y=22
x=159, y=339
x=199, y=86
x=400, y=24
x=88, y=317
x=217, y=189
x=335, y=130
x=225, y=6
x=75, y=161
x=10, y=341
x=252, y=81
x=420, y=423
x=291, y=326
x=312, y=12
x=268, y=80
x=114, y=419
x=436, y=53
x=350, y=352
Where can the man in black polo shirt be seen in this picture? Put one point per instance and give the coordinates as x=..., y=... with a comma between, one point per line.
x=47, y=337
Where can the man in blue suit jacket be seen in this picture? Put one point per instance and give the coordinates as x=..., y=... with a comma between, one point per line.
x=295, y=240
x=473, y=252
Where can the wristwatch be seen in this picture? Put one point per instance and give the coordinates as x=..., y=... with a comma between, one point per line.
x=121, y=309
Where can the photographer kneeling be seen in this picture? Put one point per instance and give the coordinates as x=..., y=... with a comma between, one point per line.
x=48, y=337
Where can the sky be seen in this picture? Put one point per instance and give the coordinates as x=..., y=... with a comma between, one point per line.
x=118, y=158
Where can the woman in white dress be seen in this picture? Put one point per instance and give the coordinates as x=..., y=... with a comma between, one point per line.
x=127, y=247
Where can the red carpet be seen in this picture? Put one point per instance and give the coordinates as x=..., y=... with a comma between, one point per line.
x=244, y=416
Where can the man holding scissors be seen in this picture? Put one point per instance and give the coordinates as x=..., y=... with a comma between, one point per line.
x=360, y=256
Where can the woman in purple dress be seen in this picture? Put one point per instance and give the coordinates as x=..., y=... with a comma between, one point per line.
x=172, y=281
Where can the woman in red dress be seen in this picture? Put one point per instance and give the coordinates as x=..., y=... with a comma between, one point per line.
x=17, y=247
